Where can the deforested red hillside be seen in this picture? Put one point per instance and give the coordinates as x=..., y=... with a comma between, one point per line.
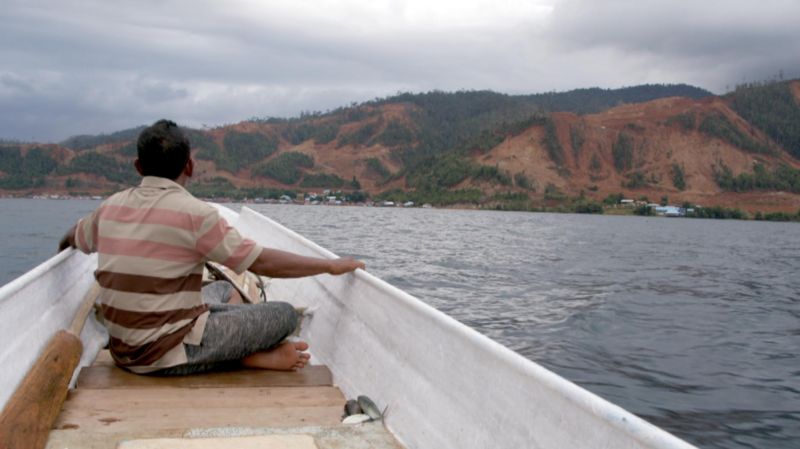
x=477, y=148
x=644, y=150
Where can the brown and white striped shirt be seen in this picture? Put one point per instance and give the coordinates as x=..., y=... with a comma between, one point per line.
x=152, y=241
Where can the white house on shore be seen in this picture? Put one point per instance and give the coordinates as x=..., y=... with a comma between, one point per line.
x=670, y=211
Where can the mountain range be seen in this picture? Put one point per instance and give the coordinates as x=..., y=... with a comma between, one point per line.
x=563, y=151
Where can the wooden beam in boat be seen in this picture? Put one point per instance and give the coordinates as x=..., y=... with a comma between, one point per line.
x=369, y=435
x=144, y=421
x=248, y=442
x=29, y=415
x=207, y=398
x=103, y=358
x=106, y=377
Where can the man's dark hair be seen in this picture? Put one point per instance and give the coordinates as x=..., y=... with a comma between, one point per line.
x=163, y=150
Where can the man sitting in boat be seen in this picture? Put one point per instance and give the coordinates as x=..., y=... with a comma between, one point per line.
x=152, y=242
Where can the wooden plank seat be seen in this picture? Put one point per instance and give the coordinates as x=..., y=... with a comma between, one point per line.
x=249, y=442
x=110, y=377
x=111, y=405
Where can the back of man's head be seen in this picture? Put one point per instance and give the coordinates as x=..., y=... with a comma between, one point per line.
x=163, y=150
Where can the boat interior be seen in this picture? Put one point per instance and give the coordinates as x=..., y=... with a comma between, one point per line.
x=112, y=408
x=437, y=382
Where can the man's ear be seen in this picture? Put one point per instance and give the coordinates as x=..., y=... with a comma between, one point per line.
x=138, y=166
x=188, y=169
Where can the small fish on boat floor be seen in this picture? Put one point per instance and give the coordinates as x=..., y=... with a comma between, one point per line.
x=361, y=410
x=369, y=407
x=357, y=419
x=351, y=407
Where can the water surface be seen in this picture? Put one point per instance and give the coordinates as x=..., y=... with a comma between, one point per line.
x=692, y=324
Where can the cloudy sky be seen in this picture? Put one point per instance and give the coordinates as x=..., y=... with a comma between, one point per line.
x=92, y=66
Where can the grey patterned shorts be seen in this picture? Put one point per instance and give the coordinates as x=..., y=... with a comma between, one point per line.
x=234, y=331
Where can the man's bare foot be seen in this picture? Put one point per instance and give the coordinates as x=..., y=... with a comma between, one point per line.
x=287, y=356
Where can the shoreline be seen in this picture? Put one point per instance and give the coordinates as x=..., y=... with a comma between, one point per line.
x=630, y=209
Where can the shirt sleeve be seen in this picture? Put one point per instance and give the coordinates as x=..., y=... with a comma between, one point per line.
x=86, y=233
x=220, y=242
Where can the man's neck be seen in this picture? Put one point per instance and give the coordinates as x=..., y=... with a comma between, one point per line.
x=182, y=180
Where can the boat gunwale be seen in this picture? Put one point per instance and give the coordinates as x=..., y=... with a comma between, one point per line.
x=16, y=285
x=639, y=429
x=615, y=416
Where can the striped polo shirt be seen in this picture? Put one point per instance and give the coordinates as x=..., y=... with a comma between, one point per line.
x=152, y=242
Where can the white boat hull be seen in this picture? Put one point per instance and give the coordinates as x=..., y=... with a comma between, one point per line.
x=38, y=304
x=444, y=384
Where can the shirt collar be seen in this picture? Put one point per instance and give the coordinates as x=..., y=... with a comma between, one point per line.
x=160, y=183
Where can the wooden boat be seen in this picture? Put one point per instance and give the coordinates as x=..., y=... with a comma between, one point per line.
x=442, y=384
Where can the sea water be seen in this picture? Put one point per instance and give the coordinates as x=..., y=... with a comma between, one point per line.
x=693, y=325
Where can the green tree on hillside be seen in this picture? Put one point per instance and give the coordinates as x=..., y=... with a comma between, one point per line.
x=38, y=162
x=772, y=108
x=594, y=163
x=717, y=125
x=243, y=149
x=103, y=165
x=10, y=159
x=285, y=168
x=576, y=140
x=128, y=150
x=441, y=173
x=636, y=180
x=23, y=172
x=396, y=134
x=375, y=166
x=204, y=146
x=363, y=135
x=551, y=142
x=297, y=133
x=86, y=142
x=622, y=152
x=491, y=174
x=523, y=181
x=678, y=177
x=782, y=178
x=685, y=121
x=322, y=180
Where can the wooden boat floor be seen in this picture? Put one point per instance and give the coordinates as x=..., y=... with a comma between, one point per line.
x=110, y=406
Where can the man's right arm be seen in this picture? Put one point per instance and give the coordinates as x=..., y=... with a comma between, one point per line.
x=82, y=235
x=282, y=264
x=68, y=241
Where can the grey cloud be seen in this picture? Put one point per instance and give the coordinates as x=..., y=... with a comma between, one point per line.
x=158, y=91
x=678, y=27
x=212, y=71
x=735, y=40
x=267, y=50
x=93, y=66
x=15, y=83
x=50, y=118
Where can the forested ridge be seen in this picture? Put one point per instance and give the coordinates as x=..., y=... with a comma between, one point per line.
x=559, y=149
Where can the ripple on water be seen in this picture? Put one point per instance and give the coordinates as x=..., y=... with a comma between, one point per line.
x=691, y=324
